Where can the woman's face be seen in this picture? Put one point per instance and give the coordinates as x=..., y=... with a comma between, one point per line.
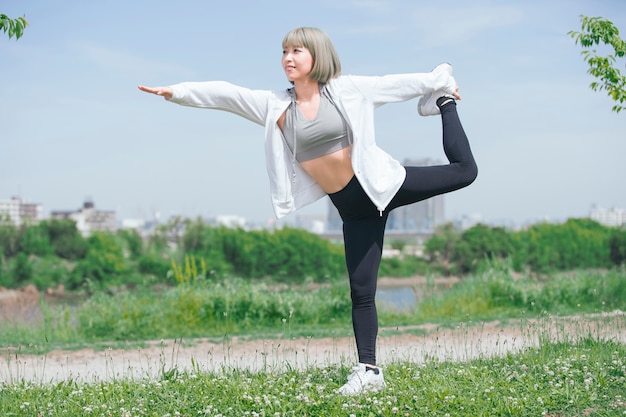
x=297, y=63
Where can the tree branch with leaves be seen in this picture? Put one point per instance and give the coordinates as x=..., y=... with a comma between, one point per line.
x=599, y=31
x=14, y=27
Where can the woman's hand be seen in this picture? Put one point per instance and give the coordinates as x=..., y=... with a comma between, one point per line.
x=456, y=93
x=165, y=92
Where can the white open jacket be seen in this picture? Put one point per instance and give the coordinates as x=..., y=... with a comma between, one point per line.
x=291, y=187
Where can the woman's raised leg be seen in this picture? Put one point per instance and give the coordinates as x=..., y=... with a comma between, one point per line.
x=425, y=182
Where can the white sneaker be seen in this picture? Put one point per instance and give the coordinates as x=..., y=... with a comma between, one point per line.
x=363, y=379
x=427, y=105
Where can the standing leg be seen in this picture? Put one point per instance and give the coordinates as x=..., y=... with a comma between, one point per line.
x=363, y=240
x=363, y=232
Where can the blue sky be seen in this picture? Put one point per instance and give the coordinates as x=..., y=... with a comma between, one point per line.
x=74, y=126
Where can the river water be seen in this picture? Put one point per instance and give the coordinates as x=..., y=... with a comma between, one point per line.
x=405, y=294
x=401, y=298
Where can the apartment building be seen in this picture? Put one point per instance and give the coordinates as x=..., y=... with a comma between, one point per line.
x=613, y=217
x=88, y=219
x=19, y=212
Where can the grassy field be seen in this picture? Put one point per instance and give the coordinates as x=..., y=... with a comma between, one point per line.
x=585, y=377
x=580, y=371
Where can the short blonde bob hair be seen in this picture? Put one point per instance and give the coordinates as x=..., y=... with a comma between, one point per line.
x=326, y=64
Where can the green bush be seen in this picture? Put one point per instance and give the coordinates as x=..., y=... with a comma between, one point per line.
x=35, y=241
x=65, y=239
x=577, y=243
x=22, y=269
x=49, y=272
x=9, y=237
x=482, y=242
x=6, y=280
x=407, y=266
x=617, y=247
x=104, y=264
x=209, y=309
x=290, y=255
x=542, y=247
x=154, y=264
x=132, y=242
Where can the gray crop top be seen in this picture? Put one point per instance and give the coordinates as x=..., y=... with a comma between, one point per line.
x=325, y=134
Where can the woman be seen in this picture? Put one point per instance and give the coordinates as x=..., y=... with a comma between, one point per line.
x=319, y=140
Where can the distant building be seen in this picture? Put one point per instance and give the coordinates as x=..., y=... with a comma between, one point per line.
x=231, y=221
x=88, y=219
x=312, y=223
x=613, y=217
x=467, y=221
x=144, y=227
x=19, y=212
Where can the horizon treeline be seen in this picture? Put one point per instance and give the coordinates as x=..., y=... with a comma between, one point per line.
x=53, y=252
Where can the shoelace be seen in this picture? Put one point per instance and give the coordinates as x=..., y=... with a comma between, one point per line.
x=355, y=372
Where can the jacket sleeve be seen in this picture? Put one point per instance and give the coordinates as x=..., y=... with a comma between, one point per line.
x=402, y=87
x=221, y=95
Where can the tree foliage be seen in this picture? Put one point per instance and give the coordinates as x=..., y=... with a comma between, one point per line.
x=441, y=247
x=542, y=247
x=577, y=243
x=53, y=252
x=104, y=263
x=35, y=240
x=617, y=247
x=9, y=237
x=14, y=27
x=599, y=31
x=65, y=239
x=286, y=254
x=481, y=243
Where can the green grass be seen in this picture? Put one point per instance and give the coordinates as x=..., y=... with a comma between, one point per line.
x=572, y=378
x=258, y=310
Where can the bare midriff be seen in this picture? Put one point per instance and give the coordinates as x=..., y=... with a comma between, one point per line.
x=332, y=171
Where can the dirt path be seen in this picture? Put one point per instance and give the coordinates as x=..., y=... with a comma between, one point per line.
x=461, y=343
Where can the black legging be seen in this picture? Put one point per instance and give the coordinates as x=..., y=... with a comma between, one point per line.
x=364, y=226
